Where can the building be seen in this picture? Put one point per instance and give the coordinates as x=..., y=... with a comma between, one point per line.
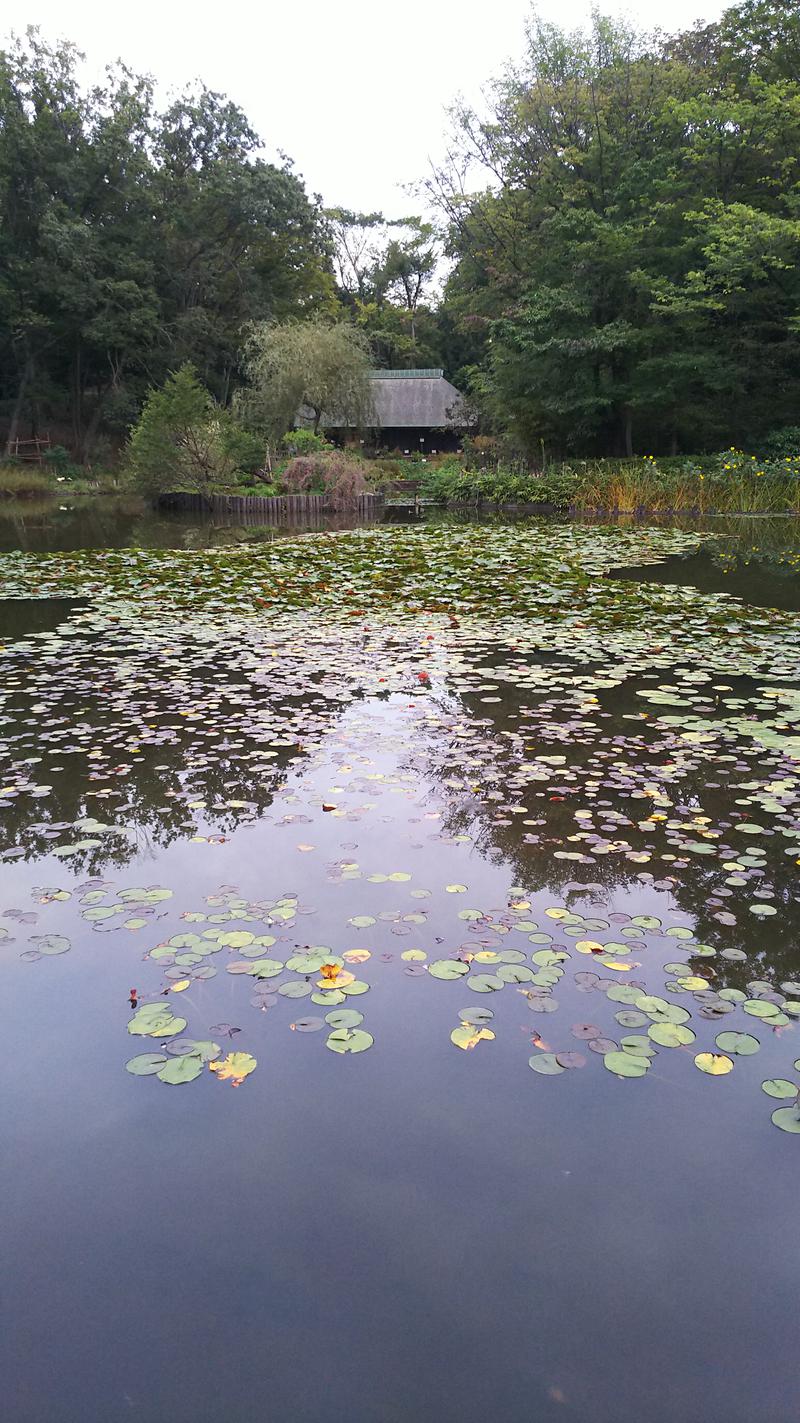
x=412, y=410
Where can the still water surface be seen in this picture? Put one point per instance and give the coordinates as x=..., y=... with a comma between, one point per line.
x=447, y=741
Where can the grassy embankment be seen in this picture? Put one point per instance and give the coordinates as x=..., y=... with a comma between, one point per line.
x=38, y=481
x=731, y=483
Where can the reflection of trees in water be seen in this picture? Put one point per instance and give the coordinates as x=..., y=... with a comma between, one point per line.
x=771, y=944
x=156, y=762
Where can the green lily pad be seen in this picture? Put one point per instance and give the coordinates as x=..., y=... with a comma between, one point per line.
x=146, y=1064
x=626, y=1064
x=780, y=1087
x=545, y=1063
x=671, y=1034
x=181, y=1069
x=484, y=982
x=344, y=1018
x=343, y=1040
x=741, y=1044
x=787, y=1118
x=448, y=969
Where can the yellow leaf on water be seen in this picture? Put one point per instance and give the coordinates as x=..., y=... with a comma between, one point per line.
x=180, y=985
x=357, y=955
x=334, y=977
x=235, y=1067
x=467, y=1037
x=716, y=1064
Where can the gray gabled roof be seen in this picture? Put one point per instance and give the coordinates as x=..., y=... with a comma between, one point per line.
x=420, y=399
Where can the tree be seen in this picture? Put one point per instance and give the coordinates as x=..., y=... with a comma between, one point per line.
x=182, y=439
x=132, y=241
x=629, y=268
x=313, y=363
x=384, y=272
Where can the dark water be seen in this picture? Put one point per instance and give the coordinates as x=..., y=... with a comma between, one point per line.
x=412, y=1232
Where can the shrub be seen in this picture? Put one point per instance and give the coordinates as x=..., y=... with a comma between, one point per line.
x=182, y=440
x=782, y=444
x=336, y=475
x=304, y=442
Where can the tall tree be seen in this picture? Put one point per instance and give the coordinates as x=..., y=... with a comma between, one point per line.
x=629, y=261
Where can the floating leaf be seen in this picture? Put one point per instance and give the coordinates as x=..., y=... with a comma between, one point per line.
x=344, y=1018
x=787, y=1118
x=484, y=982
x=234, y=1068
x=741, y=1044
x=468, y=1036
x=626, y=1064
x=146, y=1064
x=546, y=1063
x=448, y=968
x=715, y=1064
x=671, y=1034
x=51, y=944
x=349, y=1040
x=182, y=1069
x=780, y=1087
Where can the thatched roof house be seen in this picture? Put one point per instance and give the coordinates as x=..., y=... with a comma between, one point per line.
x=410, y=408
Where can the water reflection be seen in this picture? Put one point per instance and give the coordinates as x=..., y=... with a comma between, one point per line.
x=555, y=821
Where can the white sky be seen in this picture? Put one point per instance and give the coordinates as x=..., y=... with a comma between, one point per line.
x=353, y=90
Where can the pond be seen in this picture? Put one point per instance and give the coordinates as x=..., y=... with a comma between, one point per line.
x=400, y=971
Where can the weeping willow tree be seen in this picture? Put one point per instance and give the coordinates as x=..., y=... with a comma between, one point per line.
x=314, y=366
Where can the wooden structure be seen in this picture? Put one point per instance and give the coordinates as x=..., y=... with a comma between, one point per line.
x=416, y=410
x=314, y=509
x=32, y=451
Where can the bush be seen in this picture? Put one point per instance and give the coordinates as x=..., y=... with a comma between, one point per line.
x=335, y=474
x=59, y=461
x=182, y=440
x=304, y=442
x=782, y=444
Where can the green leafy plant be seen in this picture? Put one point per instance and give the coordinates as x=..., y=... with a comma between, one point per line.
x=182, y=440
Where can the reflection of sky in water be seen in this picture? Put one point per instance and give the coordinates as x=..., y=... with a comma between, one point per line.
x=416, y=1231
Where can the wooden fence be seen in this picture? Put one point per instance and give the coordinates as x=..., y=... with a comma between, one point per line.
x=33, y=451
x=315, y=509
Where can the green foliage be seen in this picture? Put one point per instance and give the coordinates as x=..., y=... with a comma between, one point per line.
x=732, y=482
x=632, y=274
x=304, y=442
x=18, y=481
x=315, y=364
x=782, y=444
x=133, y=240
x=384, y=274
x=182, y=439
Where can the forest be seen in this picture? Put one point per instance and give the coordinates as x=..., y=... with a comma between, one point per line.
x=604, y=259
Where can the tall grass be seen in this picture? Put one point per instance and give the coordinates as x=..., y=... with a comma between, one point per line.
x=19, y=482
x=731, y=483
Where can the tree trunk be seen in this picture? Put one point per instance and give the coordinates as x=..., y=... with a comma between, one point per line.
x=627, y=429
x=77, y=403
x=88, y=435
x=24, y=381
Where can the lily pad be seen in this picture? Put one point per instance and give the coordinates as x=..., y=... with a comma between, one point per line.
x=344, y=1040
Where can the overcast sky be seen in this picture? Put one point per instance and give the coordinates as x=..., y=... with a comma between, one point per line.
x=353, y=90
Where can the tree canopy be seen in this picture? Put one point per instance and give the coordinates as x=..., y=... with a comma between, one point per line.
x=619, y=230
x=629, y=268
x=134, y=240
